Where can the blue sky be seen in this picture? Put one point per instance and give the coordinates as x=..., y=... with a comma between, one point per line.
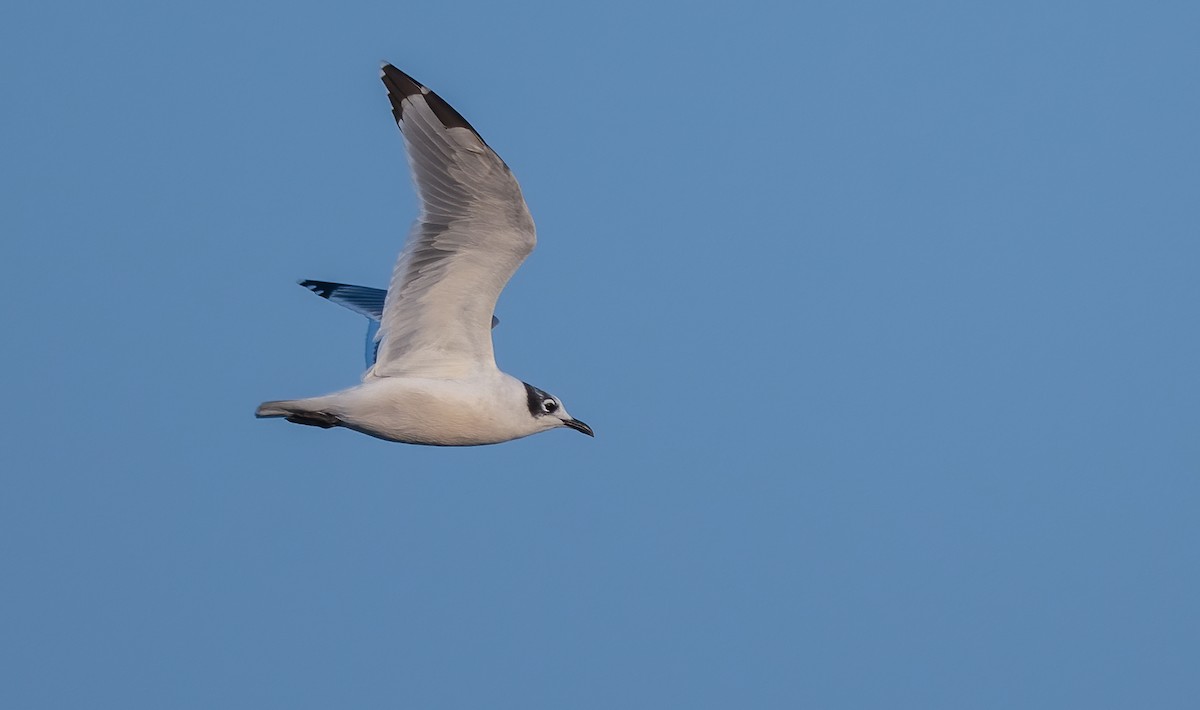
x=884, y=315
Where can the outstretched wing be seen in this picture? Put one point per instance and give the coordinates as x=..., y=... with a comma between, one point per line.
x=472, y=233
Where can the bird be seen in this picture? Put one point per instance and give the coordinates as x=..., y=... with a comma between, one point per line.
x=432, y=377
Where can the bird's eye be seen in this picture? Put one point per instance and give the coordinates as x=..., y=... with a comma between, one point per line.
x=549, y=406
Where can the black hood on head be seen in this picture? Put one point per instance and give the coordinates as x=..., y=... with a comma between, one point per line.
x=534, y=398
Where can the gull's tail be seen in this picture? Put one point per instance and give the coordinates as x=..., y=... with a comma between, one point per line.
x=298, y=411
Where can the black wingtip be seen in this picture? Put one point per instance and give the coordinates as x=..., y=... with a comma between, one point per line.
x=401, y=86
x=324, y=289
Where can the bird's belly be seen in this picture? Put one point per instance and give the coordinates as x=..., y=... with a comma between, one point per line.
x=435, y=415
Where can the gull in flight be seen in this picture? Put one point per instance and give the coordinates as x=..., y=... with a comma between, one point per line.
x=432, y=376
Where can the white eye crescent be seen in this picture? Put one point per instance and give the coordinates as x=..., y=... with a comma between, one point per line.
x=549, y=406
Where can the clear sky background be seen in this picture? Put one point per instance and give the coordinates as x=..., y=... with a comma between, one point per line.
x=885, y=316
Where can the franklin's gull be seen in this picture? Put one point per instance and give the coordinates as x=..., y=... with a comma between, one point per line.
x=432, y=376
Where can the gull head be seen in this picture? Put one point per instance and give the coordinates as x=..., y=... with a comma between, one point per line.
x=548, y=411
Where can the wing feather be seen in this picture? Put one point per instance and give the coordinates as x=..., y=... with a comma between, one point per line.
x=472, y=234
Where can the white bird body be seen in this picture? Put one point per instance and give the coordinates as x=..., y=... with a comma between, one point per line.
x=484, y=409
x=434, y=380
